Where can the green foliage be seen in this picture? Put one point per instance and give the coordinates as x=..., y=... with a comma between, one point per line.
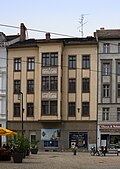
x=21, y=144
x=34, y=144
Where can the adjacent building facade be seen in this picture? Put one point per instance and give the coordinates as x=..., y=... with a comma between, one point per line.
x=108, y=87
x=4, y=42
x=57, y=82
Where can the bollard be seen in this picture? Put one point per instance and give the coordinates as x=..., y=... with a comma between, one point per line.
x=74, y=151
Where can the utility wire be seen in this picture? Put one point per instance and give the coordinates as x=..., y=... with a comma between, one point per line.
x=91, y=70
x=36, y=30
x=59, y=34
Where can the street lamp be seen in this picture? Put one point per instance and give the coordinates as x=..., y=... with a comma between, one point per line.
x=20, y=97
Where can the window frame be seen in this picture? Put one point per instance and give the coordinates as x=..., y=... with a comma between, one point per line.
x=72, y=61
x=17, y=64
x=86, y=61
x=118, y=47
x=105, y=114
x=16, y=109
x=30, y=86
x=72, y=85
x=85, y=109
x=106, y=69
x=106, y=90
x=85, y=85
x=50, y=59
x=71, y=109
x=106, y=48
x=118, y=89
x=118, y=68
x=30, y=64
x=17, y=86
x=118, y=113
x=50, y=110
x=30, y=108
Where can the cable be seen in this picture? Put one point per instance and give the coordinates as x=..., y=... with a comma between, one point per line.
x=43, y=31
x=97, y=71
x=36, y=30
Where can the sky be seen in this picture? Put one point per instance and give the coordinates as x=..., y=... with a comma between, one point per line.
x=59, y=16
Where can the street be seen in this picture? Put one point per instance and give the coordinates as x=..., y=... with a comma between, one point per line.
x=64, y=160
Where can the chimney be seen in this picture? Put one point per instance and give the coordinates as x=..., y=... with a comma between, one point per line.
x=102, y=28
x=47, y=36
x=22, y=32
x=94, y=34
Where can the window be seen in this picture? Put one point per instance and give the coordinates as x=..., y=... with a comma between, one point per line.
x=106, y=48
x=30, y=86
x=105, y=114
x=118, y=68
x=85, y=85
x=17, y=86
x=30, y=109
x=72, y=85
x=49, y=59
x=72, y=62
x=71, y=109
x=53, y=83
x=118, y=90
x=106, y=90
x=85, y=108
x=49, y=108
x=51, y=143
x=17, y=64
x=49, y=83
x=53, y=107
x=118, y=47
x=45, y=83
x=16, y=110
x=45, y=108
x=86, y=62
x=105, y=69
x=118, y=113
x=32, y=138
x=54, y=59
x=30, y=64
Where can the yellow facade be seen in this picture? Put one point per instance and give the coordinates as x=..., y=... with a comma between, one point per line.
x=63, y=73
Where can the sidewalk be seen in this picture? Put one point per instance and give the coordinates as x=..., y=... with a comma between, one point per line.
x=64, y=160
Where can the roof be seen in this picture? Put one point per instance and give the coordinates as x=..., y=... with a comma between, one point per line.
x=11, y=37
x=108, y=34
x=65, y=41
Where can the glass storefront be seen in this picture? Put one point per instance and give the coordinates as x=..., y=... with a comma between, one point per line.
x=79, y=138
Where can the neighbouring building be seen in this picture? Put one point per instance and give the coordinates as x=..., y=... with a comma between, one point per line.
x=4, y=42
x=108, y=87
x=57, y=80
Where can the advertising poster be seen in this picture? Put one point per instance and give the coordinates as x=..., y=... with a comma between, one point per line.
x=50, y=134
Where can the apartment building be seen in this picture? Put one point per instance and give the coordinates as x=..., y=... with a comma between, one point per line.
x=56, y=80
x=4, y=42
x=108, y=87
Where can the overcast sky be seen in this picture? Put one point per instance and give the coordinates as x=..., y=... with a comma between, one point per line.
x=59, y=16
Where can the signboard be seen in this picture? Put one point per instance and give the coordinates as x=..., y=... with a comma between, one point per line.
x=50, y=134
x=109, y=126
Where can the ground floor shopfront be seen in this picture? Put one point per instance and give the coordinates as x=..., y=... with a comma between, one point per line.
x=59, y=135
x=108, y=134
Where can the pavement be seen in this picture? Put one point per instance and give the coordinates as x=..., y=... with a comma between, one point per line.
x=64, y=160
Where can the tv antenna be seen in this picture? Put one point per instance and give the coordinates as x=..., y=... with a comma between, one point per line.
x=82, y=23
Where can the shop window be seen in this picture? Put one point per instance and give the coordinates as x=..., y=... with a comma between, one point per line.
x=79, y=138
x=51, y=143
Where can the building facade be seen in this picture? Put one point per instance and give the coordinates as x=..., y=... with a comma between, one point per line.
x=4, y=42
x=57, y=82
x=108, y=87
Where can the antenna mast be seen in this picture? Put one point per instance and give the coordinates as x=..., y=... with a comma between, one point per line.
x=81, y=21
